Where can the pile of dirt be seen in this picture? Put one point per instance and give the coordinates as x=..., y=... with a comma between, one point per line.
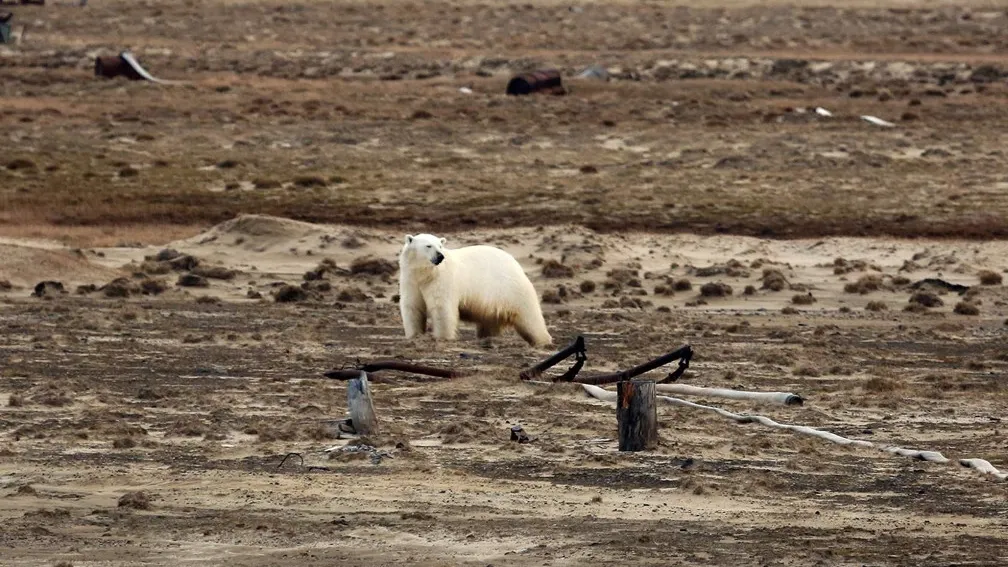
x=24, y=266
x=258, y=233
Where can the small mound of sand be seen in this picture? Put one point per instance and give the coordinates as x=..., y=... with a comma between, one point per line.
x=262, y=226
x=25, y=266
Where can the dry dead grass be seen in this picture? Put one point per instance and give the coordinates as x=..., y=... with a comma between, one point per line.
x=876, y=306
x=966, y=308
x=988, y=277
x=865, y=284
x=89, y=236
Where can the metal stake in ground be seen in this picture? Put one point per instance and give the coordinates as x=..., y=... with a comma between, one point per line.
x=636, y=415
x=362, y=414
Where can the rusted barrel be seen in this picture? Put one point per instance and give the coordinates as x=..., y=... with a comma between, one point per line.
x=111, y=66
x=545, y=80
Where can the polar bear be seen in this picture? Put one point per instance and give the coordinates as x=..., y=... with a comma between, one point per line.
x=478, y=284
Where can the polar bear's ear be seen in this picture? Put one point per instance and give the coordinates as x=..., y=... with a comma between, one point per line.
x=409, y=239
x=443, y=240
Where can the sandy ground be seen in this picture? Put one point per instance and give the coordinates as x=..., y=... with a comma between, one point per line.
x=146, y=407
x=194, y=402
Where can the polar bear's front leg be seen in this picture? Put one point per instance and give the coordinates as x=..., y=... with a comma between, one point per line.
x=414, y=321
x=445, y=322
x=414, y=316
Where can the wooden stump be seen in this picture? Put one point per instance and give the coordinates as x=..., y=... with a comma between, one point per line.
x=636, y=415
x=361, y=410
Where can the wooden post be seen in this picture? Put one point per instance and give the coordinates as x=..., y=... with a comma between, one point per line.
x=362, y=413
x=636, y=415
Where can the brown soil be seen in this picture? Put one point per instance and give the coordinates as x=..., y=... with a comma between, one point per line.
x=149, y=428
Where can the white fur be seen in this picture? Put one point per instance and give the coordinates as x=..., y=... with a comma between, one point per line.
x=480, y=284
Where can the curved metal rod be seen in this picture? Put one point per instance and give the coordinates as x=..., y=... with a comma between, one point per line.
x=576, y=348
x=400, y=365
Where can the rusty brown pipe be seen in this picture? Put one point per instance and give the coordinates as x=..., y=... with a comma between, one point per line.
x=400, y=365
x=111, y=66
x=547, y=80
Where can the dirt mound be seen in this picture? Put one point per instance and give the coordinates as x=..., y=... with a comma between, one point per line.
x=258, y=232
x=264, y=226
x=24, y=266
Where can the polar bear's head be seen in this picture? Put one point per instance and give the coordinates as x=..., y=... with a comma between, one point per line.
x=424, y=247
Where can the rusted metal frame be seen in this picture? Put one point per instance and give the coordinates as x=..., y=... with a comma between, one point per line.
x=576, y=349
x=400, y=365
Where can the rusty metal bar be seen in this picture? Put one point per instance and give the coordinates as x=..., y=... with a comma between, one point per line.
x=683, y=354
x=576, y=348
x=400, y=365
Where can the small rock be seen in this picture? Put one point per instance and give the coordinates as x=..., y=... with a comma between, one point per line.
x=166, y=255
x=289, y=293
x=184, y=262
x=120, y=287
x=215, y=272
x=48, y=288
x=192, y=280
x=137, y=500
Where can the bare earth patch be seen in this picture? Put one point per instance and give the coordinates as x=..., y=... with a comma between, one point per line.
x=145, y=422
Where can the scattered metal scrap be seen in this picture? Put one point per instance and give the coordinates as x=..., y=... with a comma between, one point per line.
x=298, y=455
x=374, y=454
x=577, y=349
x=125, y=65
x=518, y=434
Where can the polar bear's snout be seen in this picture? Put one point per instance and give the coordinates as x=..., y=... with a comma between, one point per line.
x=437, y=259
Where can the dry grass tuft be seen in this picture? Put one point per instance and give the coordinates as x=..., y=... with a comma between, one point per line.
x=682, y=284
x=926, y=299
x=806, y=370
x=865, y=284
x=966, y=308
x=554, y=269
x=774, y=280
x=715, y=289
x=988, y=277
x=876, y=306
x=803, y=299
x=880, y=384
x=139, y=500
x=370, y=265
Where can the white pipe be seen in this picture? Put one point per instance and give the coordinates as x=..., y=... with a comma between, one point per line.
x=932, y=456
x=781, y=398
